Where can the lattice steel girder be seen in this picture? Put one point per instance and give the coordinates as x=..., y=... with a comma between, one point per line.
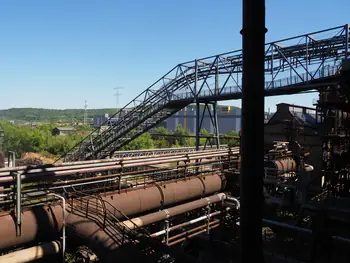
x=288, y=63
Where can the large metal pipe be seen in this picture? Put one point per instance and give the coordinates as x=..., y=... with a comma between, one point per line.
x=43, y=223
x=252, y=142
x=33, y=253
x=187, y=223
x=164, y=194
x=98, y=163
x=79, y=169
x=63, y=223
x=173, y=211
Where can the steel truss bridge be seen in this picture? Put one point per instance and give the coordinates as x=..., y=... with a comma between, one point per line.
x=293, y=65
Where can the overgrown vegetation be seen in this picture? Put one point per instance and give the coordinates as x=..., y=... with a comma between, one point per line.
x=23, y=139
x=39, y=139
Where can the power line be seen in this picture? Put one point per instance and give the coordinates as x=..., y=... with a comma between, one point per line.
x=85, y=113
x=117, y=94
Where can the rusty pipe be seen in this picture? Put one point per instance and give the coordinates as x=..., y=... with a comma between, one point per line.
x=190, y=222
x=32, y=253
x=97, y=163
x=100, y=169
x=173, y=211
x=212, y=226
x=42, y=222
x=163, y=194
x=114, y=176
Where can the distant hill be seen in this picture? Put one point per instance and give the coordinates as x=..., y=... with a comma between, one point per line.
x=47, y=115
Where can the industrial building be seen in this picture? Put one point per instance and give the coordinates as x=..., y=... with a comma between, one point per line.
x=299, y=124
x=229, y=119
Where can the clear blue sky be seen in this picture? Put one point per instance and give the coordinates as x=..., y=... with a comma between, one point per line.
x=56, y=54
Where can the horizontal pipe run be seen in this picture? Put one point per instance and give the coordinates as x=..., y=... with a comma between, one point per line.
x=103, y=161
x=96, y=179
x=41, y=222
x=105, y=168
x=172, y=211
x=193, y=235
x=32, y=253
x=193, y=221
x=193, y=230
x=88, y=164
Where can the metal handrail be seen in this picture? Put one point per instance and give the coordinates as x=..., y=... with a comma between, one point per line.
x=148, y=108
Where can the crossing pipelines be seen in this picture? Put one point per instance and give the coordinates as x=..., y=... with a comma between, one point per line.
x=192, y=183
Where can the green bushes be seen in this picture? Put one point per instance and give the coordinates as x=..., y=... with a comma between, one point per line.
x=22, y=139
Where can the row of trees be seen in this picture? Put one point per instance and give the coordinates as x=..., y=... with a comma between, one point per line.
x=162, y=138
x=40, y=139
x=46, y=115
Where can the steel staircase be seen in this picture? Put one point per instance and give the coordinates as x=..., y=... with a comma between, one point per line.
x=129, y=125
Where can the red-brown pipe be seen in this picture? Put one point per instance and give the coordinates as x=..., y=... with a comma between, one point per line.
x=43, y=223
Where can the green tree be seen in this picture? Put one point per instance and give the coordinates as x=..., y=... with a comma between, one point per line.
x=181, y=137
x=231, y=142
x=144, y=141
x=160, y=139
x=204, y=133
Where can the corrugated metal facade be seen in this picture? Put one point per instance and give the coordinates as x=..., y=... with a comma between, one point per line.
x=229, y=118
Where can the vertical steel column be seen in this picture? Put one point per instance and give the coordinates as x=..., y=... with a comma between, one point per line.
x=307, y=58
x=216, y=125
x=197, y=125
x=18, y=203
x=11, y=159
x=252, y=143
x=197, y=105
x=272, y=77
x=347, y=41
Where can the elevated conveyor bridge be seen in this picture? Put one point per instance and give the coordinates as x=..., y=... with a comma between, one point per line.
x=293, y=65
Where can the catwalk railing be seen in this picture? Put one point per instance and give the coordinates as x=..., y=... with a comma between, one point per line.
x=307, y=60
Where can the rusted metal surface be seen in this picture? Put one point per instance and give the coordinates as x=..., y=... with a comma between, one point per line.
x=188, y=234
x=283, y=165
x=32, y=253
x=173, y=211
x=38, y=224
x=43, y=223
x=132, y=202
x=42, y=173
x=61, y=166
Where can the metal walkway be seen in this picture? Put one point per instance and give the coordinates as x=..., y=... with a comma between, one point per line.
x=292, y=65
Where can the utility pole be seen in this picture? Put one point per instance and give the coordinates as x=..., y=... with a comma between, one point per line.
x=117, y=94
x=85, y=113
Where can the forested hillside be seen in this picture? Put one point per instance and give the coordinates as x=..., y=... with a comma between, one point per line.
x=47, y=115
